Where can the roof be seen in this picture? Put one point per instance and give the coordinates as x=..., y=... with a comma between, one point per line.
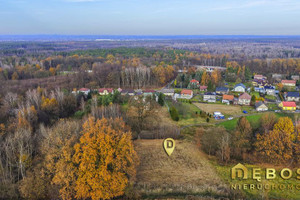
x=222, y=89
x=203, y=87
x=240, y=84
x=228, y=97
x=189, y=92
x=149, y=91
x=245, y=96
x=259, y=103
x=210, y=93
x=127, y=91
x=269, y=87
x=293, y=94
x=84, y=89
x=289, y=81
x=288, y=104
x=259, y=76
x=103, y=89
x=166, y=91
x=194, y=81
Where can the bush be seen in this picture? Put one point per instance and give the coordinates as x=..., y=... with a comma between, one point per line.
x=207, y=120
x=79, y=114
x=174, y=114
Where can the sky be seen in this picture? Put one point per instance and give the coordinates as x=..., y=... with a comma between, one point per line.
x=150, y=17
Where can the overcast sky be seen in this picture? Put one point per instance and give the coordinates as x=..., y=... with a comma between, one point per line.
x=150, y=17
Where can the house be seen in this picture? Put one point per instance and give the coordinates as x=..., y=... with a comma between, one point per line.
x=259, y=82
x=270, y=90
x=194, y=83
x=209, y=97
x=295, y=77
x=227, y=98
x=288, y=105
x=222, y=90
x=186, y=94
x=292, y=96
x=259, y=77
x=244, y=99
x=277, y=76
x=260, y=106
x=203, y=88
x=290, y=83
x=239, y=88
x=127, y=92
x=85, y=91
x=119, y=90
x=166, y=92
x=148, y=92
x=260, y=89
x=105, y=91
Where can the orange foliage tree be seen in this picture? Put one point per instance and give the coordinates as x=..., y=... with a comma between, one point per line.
x=105, y=158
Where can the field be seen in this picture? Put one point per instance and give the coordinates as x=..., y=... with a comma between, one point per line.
x=185, y=172
x=224, y=109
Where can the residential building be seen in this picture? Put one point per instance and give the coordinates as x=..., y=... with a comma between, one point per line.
x=227, y=98
x=239, y=88
x=244, y=99
x=288, y=105
x=292, y=96
x=290, y=83
x=166, y=92
x=203, y=88
x=85, y=91
x=270, y=90
x=277, y=76
x=209, y=97
x=222, y=90
x=259, y=77
x=194, y=83
x=148, y=92
x=260, y=90
x=260, y=106
x=105, y=91
x=186, y=94
x=127, y=92
x=295, y=77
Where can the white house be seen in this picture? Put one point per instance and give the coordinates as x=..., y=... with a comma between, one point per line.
x=239, y=88
x=260, y=106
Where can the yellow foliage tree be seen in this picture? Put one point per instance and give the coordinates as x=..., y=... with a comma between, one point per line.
x=15, y=76
x=105, y=158
x=285, y=125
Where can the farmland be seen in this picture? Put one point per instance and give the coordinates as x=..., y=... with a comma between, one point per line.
x=225, y=109
x=186, y=171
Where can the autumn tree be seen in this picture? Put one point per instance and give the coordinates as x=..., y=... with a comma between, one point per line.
x=204, y=78
x=242, y=138
x=268, y=121
x=105, y=159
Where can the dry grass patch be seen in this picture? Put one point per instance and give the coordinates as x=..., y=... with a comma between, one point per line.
x=225, y=109
x=186, y=171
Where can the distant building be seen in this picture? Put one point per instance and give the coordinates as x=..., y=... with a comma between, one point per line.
x=291, y=83
x=239, y=88
x=85, y=91
x=261, y=106
x=295, y=77
x=259, y=77
x=209, y=97
x=194, y=83
x=277, y=76
x=105, y=91
x=203, y=88
x=186, y=94
x=222, y=90
x=227, y=99
x=244, y=99
x=270, y=90
x=167, y=92
x=285, y=105
x=292, y=96
x=148, y=92
x=129, y=92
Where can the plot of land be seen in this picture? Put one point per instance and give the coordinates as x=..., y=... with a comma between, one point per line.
x=225, y=109
x=185, y=172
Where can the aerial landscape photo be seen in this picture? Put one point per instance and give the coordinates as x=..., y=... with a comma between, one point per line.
x=156, y=100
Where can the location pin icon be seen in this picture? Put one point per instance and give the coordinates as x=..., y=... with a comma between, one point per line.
x=169, y=145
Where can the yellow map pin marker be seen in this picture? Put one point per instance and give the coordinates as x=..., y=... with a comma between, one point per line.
x=169, y=145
